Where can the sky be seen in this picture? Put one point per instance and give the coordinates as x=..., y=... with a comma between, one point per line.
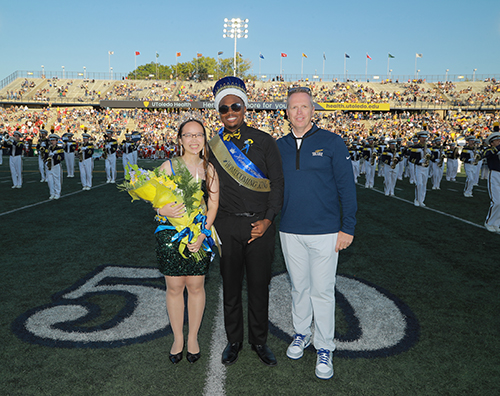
x=457, y=35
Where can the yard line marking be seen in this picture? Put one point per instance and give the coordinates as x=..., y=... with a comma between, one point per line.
x=436, y=211
x=47, y=200
x=216, y=373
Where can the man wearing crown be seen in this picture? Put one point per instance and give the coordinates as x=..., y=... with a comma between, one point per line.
x=251, y=193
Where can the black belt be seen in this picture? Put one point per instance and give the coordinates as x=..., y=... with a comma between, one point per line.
x=245, y=214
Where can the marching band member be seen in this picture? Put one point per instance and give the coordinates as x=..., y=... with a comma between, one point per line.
x=355, y=153
x=69, y=153
x=128, y=149
x=85, y=152
x=16, y=148
x=452, y=155
x=391, y=158
x=437, y=160
x=370, y=157
x=109, y=153
x=492, y=157
x=54, y=154
x=1, y=147
x=41, y=146
x=420, y=156
x=468, y=157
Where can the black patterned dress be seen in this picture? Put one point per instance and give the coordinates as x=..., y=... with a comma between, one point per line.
x=170, y=261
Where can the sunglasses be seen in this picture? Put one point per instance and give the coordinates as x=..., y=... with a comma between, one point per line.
x=299, y=89
x=236, y=107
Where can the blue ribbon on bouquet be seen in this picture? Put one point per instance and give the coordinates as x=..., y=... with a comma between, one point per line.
x=208, y=243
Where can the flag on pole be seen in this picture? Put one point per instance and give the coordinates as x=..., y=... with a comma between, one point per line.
x=347, y=56
x=324, y=56
x=220, y=53
x=391, y=56
x=261, y=56
x=304, y=55
x=111, y=52
x=418, y=55
x=199, y=55
x=157, y=54
x=137, y=53
x=177, y=54
x=283, y=55
x=368, y=56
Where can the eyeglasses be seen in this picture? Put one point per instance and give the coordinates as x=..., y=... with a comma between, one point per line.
x=236, y=107
x=192, y=135
x=300, y=89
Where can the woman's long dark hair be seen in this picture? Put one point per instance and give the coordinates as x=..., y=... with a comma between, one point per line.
x=204, y=154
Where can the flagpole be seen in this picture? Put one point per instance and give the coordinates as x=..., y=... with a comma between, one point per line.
x=345, y=80
x=135, y=66
x=388, y=59
x=302, y=69
x=366, y=69
x=281, y=64
x=259, y=64
x=415, y=75
x=323, y=67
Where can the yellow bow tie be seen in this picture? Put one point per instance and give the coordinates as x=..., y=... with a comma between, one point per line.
x=229, y=136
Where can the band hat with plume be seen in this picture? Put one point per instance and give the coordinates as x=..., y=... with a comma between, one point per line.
x=493, y=136
x=53, y=136
x=229, y=86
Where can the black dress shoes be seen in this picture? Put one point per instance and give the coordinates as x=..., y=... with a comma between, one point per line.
x=193, y=357
x=175, y=358
x=265, y=354
x=230, y=354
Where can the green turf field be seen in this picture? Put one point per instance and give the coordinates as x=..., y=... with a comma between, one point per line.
x=83, y=307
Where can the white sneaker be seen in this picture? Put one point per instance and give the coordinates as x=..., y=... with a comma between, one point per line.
x=296, y=348
x=416, y=203
x=324, y=365
x=491, y=228
x=51, y=197
x=422, y=204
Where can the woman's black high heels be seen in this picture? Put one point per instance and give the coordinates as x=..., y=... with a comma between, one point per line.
x=193, y=357
x=176, y=358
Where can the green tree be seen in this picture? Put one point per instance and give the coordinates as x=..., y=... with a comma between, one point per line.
x=199, y=68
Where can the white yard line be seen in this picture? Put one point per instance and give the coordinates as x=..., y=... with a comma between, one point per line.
x=216, y=373
x=47, y=200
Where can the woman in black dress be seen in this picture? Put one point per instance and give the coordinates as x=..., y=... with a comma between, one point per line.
x=181, y=273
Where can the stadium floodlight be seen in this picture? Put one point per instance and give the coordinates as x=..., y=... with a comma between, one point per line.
x=43, y=71
x=474, y=75
x=235, y=28
x=84, y=73
x=63, y=71
x=446, y=77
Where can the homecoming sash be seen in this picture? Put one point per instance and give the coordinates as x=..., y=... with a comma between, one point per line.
x=237, y=165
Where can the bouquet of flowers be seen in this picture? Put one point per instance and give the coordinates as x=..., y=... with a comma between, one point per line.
x=159, y=189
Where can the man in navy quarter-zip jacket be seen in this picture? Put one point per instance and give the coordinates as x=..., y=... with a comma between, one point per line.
x=317, y=221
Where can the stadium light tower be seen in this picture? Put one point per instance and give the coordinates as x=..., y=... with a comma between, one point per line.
x=446, y=78
x=235, y=28
x=43, y=71
x=63, y=71
x=474, y=75
x=84, y=73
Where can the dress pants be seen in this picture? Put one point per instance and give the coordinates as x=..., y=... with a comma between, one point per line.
x=390, y=177
x=16, y=169
x=69, y=158
x=54, y=180
x=421, y=177
x=127, y=159
x=355, y=170
x=470, y=171
x=255, y=258
x=493, y=217
x=370, y=174
x=41, y=168
x=110, y=165
x=86, y=172
x=311, y=262
x=451, y=169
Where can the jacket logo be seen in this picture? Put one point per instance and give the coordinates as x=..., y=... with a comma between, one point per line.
x=146, y=103
x=318, y=153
